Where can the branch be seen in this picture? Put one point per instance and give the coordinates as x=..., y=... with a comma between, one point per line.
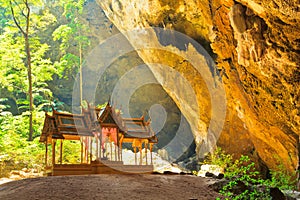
x=27, y=17
x=21, y=10
x=15, y=20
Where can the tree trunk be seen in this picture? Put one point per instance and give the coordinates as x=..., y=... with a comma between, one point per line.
x=80, y=73
x=28, y=58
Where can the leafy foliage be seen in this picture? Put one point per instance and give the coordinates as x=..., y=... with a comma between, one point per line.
x=244, y=181
x=241, y=172
x=13, y=67
x=72, y=37
x=3, y=104
x=282, y=179
x=71, y=152
x=220, y=158
x=15, y=151
x=46, y=36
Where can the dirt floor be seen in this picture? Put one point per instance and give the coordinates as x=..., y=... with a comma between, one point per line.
x=110, y=186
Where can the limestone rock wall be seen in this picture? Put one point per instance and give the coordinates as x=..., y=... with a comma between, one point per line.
x=126, y=72
x=256, y=47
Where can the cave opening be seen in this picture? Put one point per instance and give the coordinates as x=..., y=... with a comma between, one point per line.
x=151, y=100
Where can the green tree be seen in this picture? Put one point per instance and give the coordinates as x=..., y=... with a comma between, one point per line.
x=24, y=10
x=70, y=35
x=23, y=68
x=3, y=19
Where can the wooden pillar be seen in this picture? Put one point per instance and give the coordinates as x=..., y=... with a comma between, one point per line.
x=46, y=153
x=61, y=151
x=141, y=154
x=85, y=151
x=100, y=144
x=97, y=147
x=110, y=150
x=135, y=159
x=146, y=148
x=53, y=152
x=120, y=148
x=105, y=148
x=121, y=154
x=81, y=151
x=150, y=147
x=91, y=149
x=118, y=144
x=115, y=151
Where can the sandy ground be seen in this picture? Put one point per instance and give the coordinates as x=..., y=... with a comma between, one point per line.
x=109, y=186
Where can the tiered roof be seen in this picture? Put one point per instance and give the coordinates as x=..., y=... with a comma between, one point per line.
x=71, y=126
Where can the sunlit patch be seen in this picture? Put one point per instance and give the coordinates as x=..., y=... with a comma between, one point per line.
x=183, y=92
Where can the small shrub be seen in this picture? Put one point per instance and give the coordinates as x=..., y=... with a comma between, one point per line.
x=220, y=158
x=244, y=181
x=283, y=179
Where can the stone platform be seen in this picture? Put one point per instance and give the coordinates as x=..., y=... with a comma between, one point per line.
x=103, y=167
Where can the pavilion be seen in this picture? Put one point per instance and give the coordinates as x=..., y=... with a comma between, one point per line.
x=101, y=134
